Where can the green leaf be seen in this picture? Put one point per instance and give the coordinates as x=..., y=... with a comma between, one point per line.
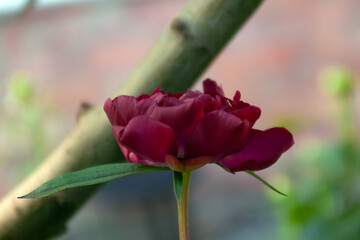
x=225, y=168
x=178, y=182
x=90, y=176
x=264, y=182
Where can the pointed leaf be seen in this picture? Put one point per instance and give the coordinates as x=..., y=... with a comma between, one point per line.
x=90, y=176
x=178, y=182
x=264, y=182
x=225, y=168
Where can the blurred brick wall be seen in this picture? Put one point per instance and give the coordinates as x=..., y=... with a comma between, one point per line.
x=81, y=52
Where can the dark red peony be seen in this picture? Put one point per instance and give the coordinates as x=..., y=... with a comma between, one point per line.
x=187, y=130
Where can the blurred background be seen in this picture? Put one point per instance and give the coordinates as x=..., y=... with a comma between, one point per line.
x=299, y=61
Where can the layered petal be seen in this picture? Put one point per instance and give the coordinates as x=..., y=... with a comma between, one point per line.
x=145, y=106
x=126, y=107
x=194, y=128
x=261, y=150
x=239, y=105
x=190, y=96
x=149, y=139
x=166, y=101
x=133, y=158
x=250, y=113
x=181, y=118
x=217, y=134
x=142, y=96
x=175, y=95
x=210, y=103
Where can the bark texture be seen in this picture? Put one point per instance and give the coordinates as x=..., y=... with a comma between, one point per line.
x=181, y=53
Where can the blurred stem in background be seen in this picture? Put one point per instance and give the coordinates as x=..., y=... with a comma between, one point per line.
x=339, y=82
x=322, y=184
x=26, y=121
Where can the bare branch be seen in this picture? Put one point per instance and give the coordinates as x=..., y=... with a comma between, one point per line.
x=179, y=56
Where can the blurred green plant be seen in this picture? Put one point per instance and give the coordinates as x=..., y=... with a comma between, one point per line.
x=323, y=183
x=25, y=125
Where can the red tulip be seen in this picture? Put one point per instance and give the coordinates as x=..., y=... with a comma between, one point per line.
x=187, y=130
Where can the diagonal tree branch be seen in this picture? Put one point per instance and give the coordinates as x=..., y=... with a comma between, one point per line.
x=182, y=52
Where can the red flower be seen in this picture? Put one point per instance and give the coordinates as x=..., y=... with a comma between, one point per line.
x=187, y=130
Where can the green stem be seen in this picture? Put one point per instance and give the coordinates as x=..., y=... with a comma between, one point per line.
x=183, y=207
x=349, y=146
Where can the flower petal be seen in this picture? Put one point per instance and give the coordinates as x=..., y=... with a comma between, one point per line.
x=175, y=95
x=149, y=139
x=118, y=131
x=190, y=96
x=211, y=104
x=217, y=134
x=181, y=118
x=142, y=96
x=112, y=113
x=167, y=101
x=250, y=113
x=211, y=88
x=236, y=100
x=129, y=156
x=263, y=148
x=126, y=106
x=133, y=158
x=214, y=90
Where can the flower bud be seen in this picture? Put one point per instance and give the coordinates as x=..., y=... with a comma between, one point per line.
x=338, y=81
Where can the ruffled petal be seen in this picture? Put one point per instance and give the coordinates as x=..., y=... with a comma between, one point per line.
x=142, y=96
x=158, y=90
x=211, y=88
x=250, y=113
x=164, y=100
x=262, y=149
x=190, y=96
x=126, y=106
x=167, y=101
x=214, y=90
x=240, y=104
x=210, y=103
x=149, y=139
x=175, y=95
x=181, y=118
x=217, y=134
